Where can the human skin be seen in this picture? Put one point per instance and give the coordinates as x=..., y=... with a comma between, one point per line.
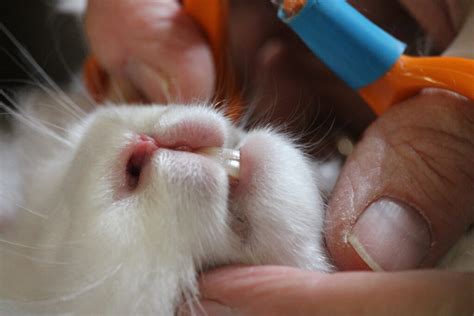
x=137, y=41
x=415, y=161
x=273, y=290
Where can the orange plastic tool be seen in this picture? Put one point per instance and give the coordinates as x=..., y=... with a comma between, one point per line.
x=412, y=74
x=367, y=58
x=213, y=16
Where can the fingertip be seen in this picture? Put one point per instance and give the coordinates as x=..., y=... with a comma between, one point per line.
x=340, y=217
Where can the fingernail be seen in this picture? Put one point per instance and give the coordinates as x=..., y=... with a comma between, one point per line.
x=209, y=308
x=390, y=235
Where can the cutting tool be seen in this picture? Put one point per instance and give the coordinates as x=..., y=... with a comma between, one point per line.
x=367, y=58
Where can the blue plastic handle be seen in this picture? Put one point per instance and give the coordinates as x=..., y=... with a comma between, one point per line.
x=357, y=50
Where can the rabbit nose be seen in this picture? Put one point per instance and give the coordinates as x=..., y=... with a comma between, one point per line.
x=141, y=153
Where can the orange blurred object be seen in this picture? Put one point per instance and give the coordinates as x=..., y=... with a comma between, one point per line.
x=292, y=7
x=411, y=74
x=96, y=79
x=213, y=16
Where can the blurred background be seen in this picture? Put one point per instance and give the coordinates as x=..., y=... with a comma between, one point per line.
x=53, y=40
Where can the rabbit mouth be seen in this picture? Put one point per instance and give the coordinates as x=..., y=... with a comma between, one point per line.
x=145, y=147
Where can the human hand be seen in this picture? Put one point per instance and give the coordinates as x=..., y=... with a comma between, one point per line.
x=271, y=290
x=418, y=153
x=396, y=159
x=412, y=173
x=151, y=48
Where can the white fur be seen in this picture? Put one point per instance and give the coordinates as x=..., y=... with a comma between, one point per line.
x=91, y=247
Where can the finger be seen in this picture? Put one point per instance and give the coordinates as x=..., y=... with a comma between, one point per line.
x=406, y=193
x=268, y=290
x=154, y=45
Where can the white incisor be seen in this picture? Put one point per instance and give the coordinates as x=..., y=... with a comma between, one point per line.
x=228, y=158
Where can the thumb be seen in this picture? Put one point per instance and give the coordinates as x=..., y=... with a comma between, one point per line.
x=153, y=47
x=405, y=195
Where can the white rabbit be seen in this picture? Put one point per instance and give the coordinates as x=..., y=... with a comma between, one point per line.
x=120, y=210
